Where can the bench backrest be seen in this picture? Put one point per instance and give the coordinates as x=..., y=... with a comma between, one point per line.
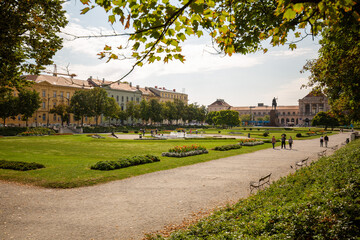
x=264, y=178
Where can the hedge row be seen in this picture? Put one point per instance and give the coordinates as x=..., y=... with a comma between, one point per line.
x=20, y=166
x=125, y=162
x=227, y=147
x=184, y=154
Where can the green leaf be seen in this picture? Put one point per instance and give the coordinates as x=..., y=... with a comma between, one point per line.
x=85, y=10
x=289, y=14
x=112, y=19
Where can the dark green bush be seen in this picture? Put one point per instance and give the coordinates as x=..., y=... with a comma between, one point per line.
x=125, y=162
x=298, y=135
x=227, y=147
x=265, y=134
x=11, y=131
x=20, y=166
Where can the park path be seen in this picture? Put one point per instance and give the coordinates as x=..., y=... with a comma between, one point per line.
x=127, y=209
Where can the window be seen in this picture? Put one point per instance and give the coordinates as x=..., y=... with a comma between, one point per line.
x=62, y=94
x=288, y=113
x=68, y=95
x=54, y=105
x=122, y=98
x=54, y=94
x=132, y=99
x=127, y=99
x=44, y=93
x=86, y=119
x=137, y=99
x=44, y=117
x=117, y=98
x=43, y=105
x=54, y=117
x=293, y=113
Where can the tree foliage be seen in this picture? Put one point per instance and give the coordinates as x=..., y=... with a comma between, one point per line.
x=337, y=70
x=28, y=38
x=324, y=119
x=234, y=26
x=63, y=111
x=28, y=102
x=8, y=106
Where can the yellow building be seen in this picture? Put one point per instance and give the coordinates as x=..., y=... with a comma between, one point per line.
x=166, y=95
x=53, y=90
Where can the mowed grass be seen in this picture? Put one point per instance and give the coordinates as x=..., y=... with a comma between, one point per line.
x=68, y=158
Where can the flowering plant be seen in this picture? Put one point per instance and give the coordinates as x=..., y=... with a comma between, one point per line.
x=180, y=149
x=246, y=140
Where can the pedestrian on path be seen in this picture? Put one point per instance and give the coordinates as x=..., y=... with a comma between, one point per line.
x=273, y=141
x=290, y=142
x=321, y=141
x=326, y=140
x=283, y=141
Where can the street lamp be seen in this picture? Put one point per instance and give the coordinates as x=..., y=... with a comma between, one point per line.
x=251, y=116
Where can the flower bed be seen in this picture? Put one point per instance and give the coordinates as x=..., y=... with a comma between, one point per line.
x=250, y=142
x=227, y=147
x=184, y=154
x=20, y=166
x=125, y=162
x=180, y=149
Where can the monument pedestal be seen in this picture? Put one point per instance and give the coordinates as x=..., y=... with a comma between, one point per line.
x=274, y=120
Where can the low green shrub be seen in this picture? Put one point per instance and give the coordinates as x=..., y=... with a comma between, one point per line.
x=124, y=162
x=20, y=166
x=265, y=134
x=193, y=147
x=298, y=135
x=184, y=154
x=227, y=147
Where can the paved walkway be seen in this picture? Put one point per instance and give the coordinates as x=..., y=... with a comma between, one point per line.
x=129, y=208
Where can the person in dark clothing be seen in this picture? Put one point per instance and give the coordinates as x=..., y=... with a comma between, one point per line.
x=283, y=141
x=326, y=140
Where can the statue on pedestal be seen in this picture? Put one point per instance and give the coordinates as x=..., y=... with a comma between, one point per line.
x=274, y=104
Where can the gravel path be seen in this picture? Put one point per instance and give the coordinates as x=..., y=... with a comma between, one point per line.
x=127, y=209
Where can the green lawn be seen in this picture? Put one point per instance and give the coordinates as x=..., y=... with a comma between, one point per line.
x=68, y=158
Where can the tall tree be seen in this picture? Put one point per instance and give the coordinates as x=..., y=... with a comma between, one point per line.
x=98, y=102
x=28, y=38
x=337, y=70
x=8, y=106
x=324, y=119
x=144, y=110
x=227, y=118
x=169, y=111
x=29, y=101
x=63, y=111
x=111, y=109
x=80, y=106
x=155, y=111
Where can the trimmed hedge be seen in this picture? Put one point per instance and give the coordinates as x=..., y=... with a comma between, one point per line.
x=20, y=166
x=252, y=143
x=227, y=147
x=11, y=131
x=184, y=154
x=125, y=162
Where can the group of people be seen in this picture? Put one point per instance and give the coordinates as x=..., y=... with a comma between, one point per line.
x=290, y=141
x=283, y=141
x=324, y=140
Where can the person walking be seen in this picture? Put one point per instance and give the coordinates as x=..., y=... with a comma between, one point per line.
x=326, y=140
x=321, y=141
x=283, y=141
x=290, y=142
x=273, y=141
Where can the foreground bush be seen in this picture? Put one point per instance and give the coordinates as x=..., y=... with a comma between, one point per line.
x=125, y=162
x=318, y=202
x=20, y=166
x=183, y=149
x=227, y=147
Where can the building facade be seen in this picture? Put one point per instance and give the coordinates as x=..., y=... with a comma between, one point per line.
x=53, y=90
x=166, y=95
x=302, y=114
x=310, y=105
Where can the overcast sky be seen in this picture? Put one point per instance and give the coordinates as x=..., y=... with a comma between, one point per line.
x=239, y=80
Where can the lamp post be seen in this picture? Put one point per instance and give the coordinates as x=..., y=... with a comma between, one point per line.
x=251, y=116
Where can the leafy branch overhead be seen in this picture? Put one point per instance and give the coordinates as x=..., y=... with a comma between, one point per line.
x=159, y=27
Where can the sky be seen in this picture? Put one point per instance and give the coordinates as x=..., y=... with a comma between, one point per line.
x=241, y=80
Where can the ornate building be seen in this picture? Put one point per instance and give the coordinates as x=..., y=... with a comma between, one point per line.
x=310, y=105
x=302, y=114
x=53, y=90
x=166, y=95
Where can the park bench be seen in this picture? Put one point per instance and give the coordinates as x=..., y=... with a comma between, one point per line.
x=322, y=153
x=262, y=182
x=301, y=163
x=335, y=147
